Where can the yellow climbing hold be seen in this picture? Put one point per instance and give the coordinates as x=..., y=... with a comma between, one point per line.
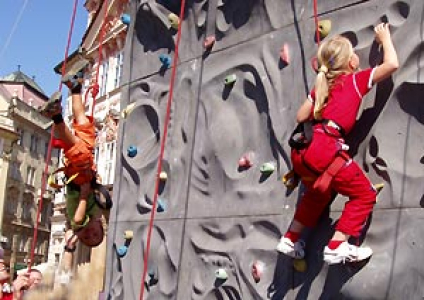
x=128, y=235
x=378, y=187
x=174, y=20
x=127, y=110
x=300, y=265
x=324, y=28
x=163, y=176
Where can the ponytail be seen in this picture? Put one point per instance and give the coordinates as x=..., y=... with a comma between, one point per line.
x=333, y=58
x=321, y=92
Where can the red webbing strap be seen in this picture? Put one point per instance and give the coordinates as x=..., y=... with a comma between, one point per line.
x=162, y=150
x=49, y=150
x=323, y=182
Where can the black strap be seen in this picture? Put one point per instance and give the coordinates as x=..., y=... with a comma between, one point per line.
x=69, y=249
x=107, y=204
x=302, y=135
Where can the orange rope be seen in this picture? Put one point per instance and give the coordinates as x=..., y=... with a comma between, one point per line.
x=49, y=150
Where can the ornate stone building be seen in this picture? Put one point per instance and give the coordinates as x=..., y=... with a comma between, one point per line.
x=24, y=137
x=106, y=111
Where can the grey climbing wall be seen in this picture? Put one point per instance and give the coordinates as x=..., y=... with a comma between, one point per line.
x=214, y=215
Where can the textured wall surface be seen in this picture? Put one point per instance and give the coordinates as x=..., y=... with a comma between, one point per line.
x=219, y=216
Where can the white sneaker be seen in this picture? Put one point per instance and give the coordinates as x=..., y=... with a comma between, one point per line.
x=295, y=250
x=346, y=253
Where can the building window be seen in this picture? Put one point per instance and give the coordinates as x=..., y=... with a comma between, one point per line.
x=27, y=207
x=109, y=161
x=34, y=144
x=21, y=133
x=22, y=243
x=30, y=179
x=15, y=170
x=118, y=69
x=12, y=201
x=105, y=70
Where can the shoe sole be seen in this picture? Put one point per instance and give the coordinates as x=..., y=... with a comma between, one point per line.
x=73, y=71
x=339, y=260
x=54, y=99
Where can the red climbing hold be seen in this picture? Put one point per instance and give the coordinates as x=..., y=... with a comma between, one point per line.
x=284, y=54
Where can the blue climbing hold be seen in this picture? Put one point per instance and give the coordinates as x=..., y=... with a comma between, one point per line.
x=166, y=60
x=126, y=19
x=122, y=251
x=161, y=205
x=132, y=151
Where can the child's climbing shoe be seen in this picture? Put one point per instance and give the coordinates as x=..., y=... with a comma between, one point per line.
x=75, y=75
x=295, y=250
x=346, y=253
x=52, y=107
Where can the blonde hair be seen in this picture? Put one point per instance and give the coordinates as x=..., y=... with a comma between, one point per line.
x=333, y=58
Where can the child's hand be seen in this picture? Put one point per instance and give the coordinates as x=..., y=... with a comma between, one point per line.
x=382, y=33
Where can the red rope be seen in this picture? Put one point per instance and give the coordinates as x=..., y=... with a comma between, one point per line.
x=162, y=150
x=49, y=150
x=95, y=86
x=316, y=21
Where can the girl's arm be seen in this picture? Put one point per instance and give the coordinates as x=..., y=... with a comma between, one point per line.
x=304, y=111
x=390, y=60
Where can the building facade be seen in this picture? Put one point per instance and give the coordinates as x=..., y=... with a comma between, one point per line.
x=106, y=110
x=25, y=137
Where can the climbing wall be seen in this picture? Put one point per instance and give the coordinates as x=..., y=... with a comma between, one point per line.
x=218, y=217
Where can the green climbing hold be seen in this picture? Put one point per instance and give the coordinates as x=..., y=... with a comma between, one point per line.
x=267, y=168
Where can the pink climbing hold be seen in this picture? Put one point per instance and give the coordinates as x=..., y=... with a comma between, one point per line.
x=284, y=54
x=209, y=42
x=246, y=161
x=314, y=64
x=257, y=270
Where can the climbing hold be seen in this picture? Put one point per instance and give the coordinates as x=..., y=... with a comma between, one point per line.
x=122, y=251
x=246, y=161
x=127, y=110
x=230, y=79
x=378, y=187
x=174, y=20
x=257, y=270
x=284, y=54
x=126, y=19
x=314, y=64
x=161, y=205
x=324, y=28
x=221, y=274
x=290, y=180
x=209, y=42
x=163, y=176
x=128, y=235
x=166, y=60
x=132, y=151
x=300, y=265
x=267, y=168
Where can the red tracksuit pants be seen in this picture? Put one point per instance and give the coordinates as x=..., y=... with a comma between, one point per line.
x=350, y=181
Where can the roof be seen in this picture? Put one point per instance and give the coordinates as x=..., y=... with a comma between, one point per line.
x=20, y=77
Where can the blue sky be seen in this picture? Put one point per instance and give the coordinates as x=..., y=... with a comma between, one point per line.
x=39, y=39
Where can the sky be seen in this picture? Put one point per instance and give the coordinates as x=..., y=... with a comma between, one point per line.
x=34, y=34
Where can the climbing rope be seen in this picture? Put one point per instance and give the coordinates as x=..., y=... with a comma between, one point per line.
x=317, y=35
x=49, y=150
x=162, y=150
x=94, y=88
